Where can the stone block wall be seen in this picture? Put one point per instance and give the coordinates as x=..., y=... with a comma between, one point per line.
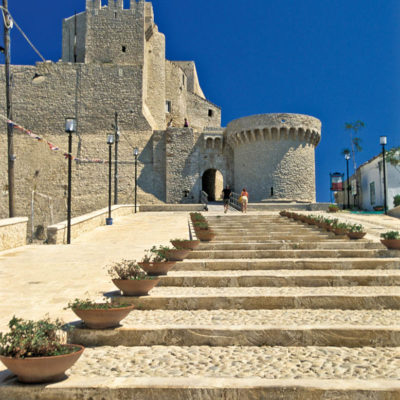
x=13, y=233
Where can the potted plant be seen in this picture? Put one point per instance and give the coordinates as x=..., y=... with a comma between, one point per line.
x=99, y=315
x=355, y=231
x=203, y=231
x=391, y=239
x=197, y=217
x=340, y=228
x=155, y=261
x=184, y=244
x=35, y=352
x=130, y=278
x=333, y=208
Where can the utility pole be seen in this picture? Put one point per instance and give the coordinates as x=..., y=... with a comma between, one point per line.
x=116, y=159
x=10, y=132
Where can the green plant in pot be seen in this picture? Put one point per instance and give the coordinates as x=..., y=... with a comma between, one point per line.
x=35, y=350
x=355, y=231
x=102, y=315
x=203, y=231
x=155, y=261
x=333, y=208
x=391, y=240
x=131, y=279
x=340, y=228
x=197, y=217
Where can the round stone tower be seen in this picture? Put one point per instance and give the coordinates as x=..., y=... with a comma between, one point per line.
x=274, y=155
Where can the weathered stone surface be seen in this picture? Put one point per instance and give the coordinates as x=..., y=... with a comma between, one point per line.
x=13, y=232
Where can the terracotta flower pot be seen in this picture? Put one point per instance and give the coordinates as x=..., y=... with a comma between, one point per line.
x=176, y=254
x=43, y=369
x=205, y=235
x=187, y=244
x=339, y=231
x=356, y=235
x=393, y=244
x=157, y=268
x=103, y=318
x=135, y=287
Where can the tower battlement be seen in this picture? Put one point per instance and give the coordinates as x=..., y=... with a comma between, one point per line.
x=112, y=4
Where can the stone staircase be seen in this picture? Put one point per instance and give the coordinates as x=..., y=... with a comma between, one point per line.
x=270, y=309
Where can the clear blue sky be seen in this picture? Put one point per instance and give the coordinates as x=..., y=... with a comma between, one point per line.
x=336, y=60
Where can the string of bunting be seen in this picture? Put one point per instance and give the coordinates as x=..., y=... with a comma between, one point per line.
x=52, y=146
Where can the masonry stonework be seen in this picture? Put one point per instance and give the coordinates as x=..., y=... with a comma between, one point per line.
x=113, y=61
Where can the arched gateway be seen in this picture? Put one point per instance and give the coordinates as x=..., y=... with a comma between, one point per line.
x=212, y=184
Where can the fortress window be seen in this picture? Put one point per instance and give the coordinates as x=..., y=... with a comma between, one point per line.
x=168, y=106
x=115, y=14
x=210, y=113
x=183, y=80
x=124, y=49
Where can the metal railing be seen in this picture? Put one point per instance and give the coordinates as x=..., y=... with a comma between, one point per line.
x=204, y=199
x=234, y=201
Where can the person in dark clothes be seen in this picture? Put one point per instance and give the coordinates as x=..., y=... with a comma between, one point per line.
x=227, y=193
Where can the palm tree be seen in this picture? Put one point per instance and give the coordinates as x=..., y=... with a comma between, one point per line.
x=355, y=141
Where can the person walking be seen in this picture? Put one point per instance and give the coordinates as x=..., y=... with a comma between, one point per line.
x=186, y=123
x=245, y=199
x=227, y=193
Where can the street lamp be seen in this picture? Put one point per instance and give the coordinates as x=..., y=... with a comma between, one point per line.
x=347, y=157
x=383, y=141
x=70, y=127
x=136, y=153
x=110, y=141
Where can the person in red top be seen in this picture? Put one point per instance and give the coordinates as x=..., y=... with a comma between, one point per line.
x=245, y=199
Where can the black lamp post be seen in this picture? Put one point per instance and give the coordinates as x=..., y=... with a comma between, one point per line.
x=347, y=157
x=136, y=153
x=383, y=141
x=70, y=127
x=110, y=142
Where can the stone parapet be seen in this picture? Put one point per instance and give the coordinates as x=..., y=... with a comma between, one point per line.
x=13, y=232
x=57, y=234
x=274, y=127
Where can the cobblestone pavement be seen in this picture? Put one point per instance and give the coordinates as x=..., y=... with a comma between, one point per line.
x=241, y=362
x=262, y=318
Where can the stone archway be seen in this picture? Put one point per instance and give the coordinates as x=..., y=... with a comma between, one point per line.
x=212, y=184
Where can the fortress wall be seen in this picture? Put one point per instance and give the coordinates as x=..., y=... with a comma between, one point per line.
x=275, y=150
x=127, y=27
x=190, y=71
x=287, y=166
x=93, y=93
x=155, y=78
x=176, y=93
x=182, y=168
x=197, y=112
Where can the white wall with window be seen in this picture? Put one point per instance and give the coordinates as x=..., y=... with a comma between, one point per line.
x=372, y=183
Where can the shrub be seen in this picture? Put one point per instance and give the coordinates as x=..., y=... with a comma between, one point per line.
x=33, y=339
x=196, y=217
x=156, y=254
x=390, y=235
x=355, y=228
x=396, y=200
x=127, y=269
x=333, y=208
x=88, y=304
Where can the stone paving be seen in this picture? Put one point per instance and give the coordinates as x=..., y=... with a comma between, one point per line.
x=241, y=362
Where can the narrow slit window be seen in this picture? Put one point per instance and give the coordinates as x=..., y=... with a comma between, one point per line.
x=124, y=49
x=210, y=113
x=168, y=106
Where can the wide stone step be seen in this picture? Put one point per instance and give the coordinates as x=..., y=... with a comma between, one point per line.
x=248, y=328
x=279, y=278
x=290, y=237
x=320, y=253
x=266, y=228
x=267, y=298
x=280, y=245
x=203, y=372
x=288, y=263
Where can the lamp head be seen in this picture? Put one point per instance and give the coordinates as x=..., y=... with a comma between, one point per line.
x=70, y=125
x=136, y=152
x=347, y=156
x=383, y=140
x=110, y=139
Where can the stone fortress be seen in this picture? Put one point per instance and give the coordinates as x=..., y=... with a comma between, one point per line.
x=113, y=60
